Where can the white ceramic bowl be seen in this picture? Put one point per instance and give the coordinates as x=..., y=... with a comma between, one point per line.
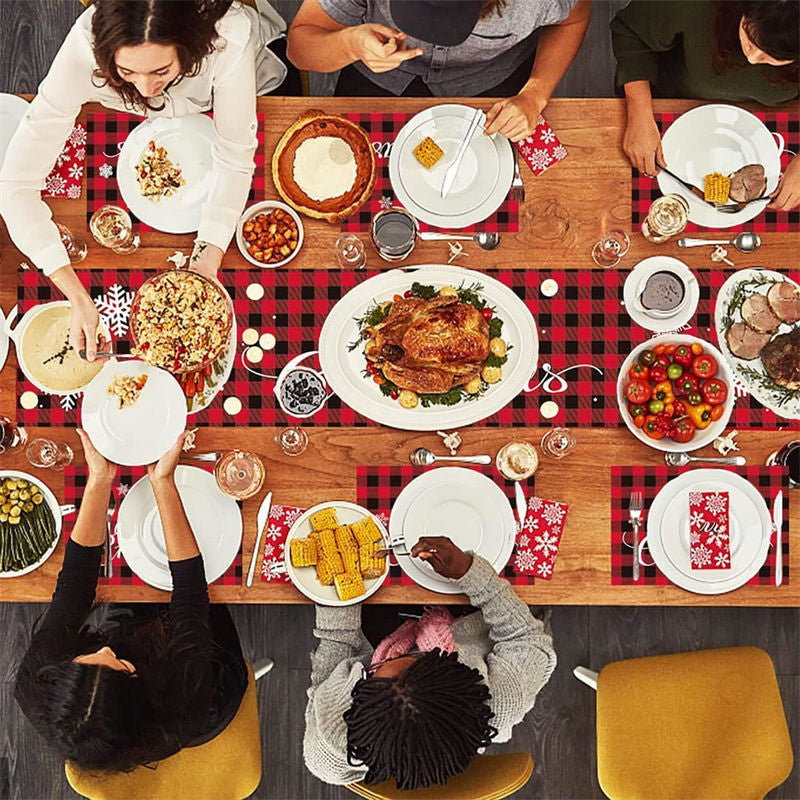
x=701, y=438
x=265, y=207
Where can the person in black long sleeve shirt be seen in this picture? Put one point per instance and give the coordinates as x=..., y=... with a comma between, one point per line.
x=147, y=680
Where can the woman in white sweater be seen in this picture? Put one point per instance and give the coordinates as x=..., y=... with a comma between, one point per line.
x=434, y=693
x=157, y=58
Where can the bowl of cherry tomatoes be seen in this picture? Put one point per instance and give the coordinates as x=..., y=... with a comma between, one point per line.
x=675, y=393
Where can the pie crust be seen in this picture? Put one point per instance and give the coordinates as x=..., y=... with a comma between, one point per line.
x=309, y=125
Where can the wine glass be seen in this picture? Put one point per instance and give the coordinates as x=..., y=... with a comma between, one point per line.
x=47, y=454
x=558, y=442
x=75, y=247
x=350, y=251
x=12, y=436
x=293, y=441
x=610, y=249
x=112, y=227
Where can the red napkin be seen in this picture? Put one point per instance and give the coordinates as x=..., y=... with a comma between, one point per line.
x=540, y=538
x=281, y=518
x=709, y=539
x=542, y=148
x=66, y=178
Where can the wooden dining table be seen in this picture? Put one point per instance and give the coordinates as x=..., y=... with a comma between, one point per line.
x=590, y=192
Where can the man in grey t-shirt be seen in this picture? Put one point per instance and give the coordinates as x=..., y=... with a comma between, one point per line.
x=518, y=49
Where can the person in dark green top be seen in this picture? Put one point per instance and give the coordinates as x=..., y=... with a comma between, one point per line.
x=707, y=49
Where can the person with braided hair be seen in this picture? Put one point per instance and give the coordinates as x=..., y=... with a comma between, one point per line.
x=431, y=695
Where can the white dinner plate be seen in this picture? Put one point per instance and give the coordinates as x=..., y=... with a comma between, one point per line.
x=305, y=578
x=783, y=403
x=343, y=366
x=214, y=518
x=143, y=432
x=188, y=142
x=483, y=180
x=55, y=510
x=463, y=504
x=717, y=138
x=668, y=531
x=634, y=286
x=12, y=110
x=3, y=340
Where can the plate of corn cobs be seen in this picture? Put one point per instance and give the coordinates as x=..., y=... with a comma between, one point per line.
x=333, y=554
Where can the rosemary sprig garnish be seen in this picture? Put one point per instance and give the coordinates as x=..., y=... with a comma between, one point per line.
x=782, y=393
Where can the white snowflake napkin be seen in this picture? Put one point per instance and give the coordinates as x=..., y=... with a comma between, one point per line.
x=542, y=148
x=66, y=177
x=539, y=539
x=709, y=540
x=281, y=518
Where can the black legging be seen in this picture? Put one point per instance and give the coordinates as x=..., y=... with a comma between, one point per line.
x=352, y=83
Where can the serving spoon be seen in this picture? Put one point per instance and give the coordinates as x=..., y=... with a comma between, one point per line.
x=682, y=459
x=484, y=239
x=743, y=242
x=422, y=457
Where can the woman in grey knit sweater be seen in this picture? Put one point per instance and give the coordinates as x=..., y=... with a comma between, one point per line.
x=421, y=717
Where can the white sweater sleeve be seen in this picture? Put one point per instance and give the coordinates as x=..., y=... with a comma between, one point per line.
x=34, y=148
x=235, y=143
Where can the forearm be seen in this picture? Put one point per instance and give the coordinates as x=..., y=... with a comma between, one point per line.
x=638, y=98
x=90, y=528
x=178, y=535
x=557, y=47
x=69, y=284
x=318, y=50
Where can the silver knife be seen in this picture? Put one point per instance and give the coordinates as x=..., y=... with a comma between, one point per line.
x=522, y=504
x=452, y=170
x=777, y=518
x=261, y=520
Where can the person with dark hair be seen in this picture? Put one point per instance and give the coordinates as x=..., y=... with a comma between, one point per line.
x=433, y=693
x=725, y=50
x=143, y=681
x=157, y=58
x=515, y=49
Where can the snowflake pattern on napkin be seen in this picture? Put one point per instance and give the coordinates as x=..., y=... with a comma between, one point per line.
x=542, y=148
x=66, y=177
x=281, y=518
x=709, y=530
x=540, y=537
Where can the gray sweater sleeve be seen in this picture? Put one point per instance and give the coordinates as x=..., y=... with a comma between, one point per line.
x=336, y=667
x=522, y=657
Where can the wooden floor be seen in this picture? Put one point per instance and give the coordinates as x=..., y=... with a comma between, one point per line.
x=560, y=731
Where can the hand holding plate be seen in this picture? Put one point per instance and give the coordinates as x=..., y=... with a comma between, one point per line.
x=787, y=196
x=164, y=468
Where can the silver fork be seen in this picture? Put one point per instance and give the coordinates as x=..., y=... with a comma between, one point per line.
x=107, y=567
x=635, y=512
x=517, y=186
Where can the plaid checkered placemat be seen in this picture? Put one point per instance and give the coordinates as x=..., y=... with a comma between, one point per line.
x=378, y=488
x=644, y=190
x=122, y=575
x=382, y=130
x=650, y=480
x=106, y=132
x=585, y=323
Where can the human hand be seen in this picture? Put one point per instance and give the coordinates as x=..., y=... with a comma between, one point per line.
x=786, y=196
x=642, y=142
x=446, y=558
x=381, y=48
x=164, y=469
x=515, y=117
x=84, y=322
x=205, y=260
x=100, y=469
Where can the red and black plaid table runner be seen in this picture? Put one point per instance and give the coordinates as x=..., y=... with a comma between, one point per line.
x=75, y=479
x=106, y=132
x=585, y=323
x=650, y=480
x=644, y=190
x=383, y=129
x=378, y=487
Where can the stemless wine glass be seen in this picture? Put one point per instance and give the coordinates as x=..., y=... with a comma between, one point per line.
x=558, y=442
x=47, y=454
x=667, y=217
x=611, y=247
x=112, y=227
x=12, y=436
x=240, y=474
x=75, y=246
x=293, y=441
x=350, y=252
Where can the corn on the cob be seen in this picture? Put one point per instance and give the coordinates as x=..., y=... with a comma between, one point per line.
x=371, y=565
x=350, y=559
x=303, y=552
x=366, y=531
x=345, y=538
x=349, y=585
x=716, y=187
x=324, y=520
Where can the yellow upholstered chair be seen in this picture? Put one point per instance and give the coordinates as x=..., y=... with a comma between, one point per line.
x=706, y=725
x=488, y=777
x=226, y=768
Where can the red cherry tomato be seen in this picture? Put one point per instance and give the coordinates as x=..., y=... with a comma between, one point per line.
x=637, y=391
x=408, y=293
x=704, y=366
x=487, y=313
x=394, y=394
x=658, y=374
x=371, y=368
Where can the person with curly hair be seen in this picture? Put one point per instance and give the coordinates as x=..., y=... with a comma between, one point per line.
x=159, y=59
x=432, y=694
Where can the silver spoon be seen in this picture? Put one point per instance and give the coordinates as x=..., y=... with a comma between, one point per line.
x=107, y=354
x=422, y=457
x=744, y=242
x=682, y=459
x=488, y=241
